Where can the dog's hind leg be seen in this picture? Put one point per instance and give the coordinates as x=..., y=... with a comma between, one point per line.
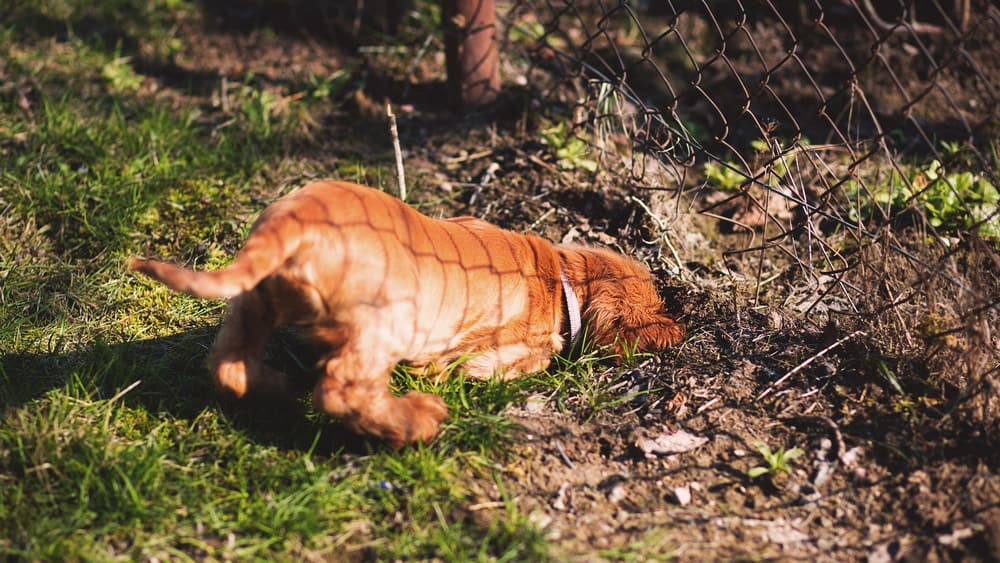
x=236, y=360
x=355, y=389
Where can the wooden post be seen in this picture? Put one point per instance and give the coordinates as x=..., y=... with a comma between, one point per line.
x=471, y=52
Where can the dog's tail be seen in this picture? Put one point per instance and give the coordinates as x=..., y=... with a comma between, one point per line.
x=265, y=251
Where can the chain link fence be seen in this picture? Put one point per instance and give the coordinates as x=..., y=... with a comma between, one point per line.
x=855, y=143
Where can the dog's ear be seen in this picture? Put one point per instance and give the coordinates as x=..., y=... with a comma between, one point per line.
x=622, y=308
x=624, y=326
x=655, y=333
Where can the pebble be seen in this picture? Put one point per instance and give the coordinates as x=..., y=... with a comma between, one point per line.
x=683, y=495
x=616, y=494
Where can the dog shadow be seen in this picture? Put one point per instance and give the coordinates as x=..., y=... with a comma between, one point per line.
x=167, y=376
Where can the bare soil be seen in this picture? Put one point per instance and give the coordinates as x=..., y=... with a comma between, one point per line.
x=888, y=473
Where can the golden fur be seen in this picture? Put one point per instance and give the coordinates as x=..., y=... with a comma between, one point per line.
x=377, y=283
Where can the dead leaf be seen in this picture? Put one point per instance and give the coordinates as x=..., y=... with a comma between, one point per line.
x=676, y=442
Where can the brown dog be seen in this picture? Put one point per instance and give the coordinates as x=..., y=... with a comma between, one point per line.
x=377, y=283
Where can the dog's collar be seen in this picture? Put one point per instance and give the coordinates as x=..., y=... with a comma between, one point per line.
x=572, y=312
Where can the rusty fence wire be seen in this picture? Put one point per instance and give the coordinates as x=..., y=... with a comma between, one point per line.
x=858, y=140
x=848, y=113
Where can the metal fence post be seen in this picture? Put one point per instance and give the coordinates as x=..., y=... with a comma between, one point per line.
x=471, y=52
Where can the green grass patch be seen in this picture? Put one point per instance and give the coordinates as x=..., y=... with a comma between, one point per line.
x=591, y=380
x=122, y=451
x=110, y=22
x=112, y=444
x=89, y=176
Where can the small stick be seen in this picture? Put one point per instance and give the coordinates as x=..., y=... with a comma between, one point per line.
x=487, y=177
x=542, y=218
x=467, y=157
x=224, y=94
x=394, y=133
x=663, y=232
x=808, y=361
x=562, y=453
x=543, y=164
x=707, y=405
x=487, y=505
x=416, y=60
x=122, y=393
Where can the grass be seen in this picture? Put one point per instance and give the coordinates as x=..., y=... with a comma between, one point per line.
x=112, y=444
x=103, y=477
x=107, y=459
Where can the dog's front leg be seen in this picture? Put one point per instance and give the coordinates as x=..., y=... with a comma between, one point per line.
x=355, y=389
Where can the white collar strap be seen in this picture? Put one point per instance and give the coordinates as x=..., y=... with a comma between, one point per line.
x=572, y=311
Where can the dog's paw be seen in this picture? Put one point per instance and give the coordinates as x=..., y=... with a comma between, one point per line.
x=426, y=413
x=416, y=418
x=231, y=379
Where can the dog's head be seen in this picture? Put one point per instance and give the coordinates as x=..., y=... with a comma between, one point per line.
x=620, y=305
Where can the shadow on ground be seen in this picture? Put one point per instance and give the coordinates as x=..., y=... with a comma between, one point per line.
x=167, y=377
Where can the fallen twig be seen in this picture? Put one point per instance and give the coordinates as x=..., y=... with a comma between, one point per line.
x=542, y=218
x=416, y=60
x=487, y=505
x=543, y=164
x=487, y=177
x=662, y=226
x=808, y=361
x=467, y=157
x=562, y=453
x=707, y=405
x=122, y=393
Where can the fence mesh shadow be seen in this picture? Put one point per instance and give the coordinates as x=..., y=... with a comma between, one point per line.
x=856, y=142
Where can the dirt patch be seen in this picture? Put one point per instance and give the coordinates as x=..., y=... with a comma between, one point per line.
x=868, y=486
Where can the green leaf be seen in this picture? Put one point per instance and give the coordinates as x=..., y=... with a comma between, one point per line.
x=793, y=453
x=763, y=448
